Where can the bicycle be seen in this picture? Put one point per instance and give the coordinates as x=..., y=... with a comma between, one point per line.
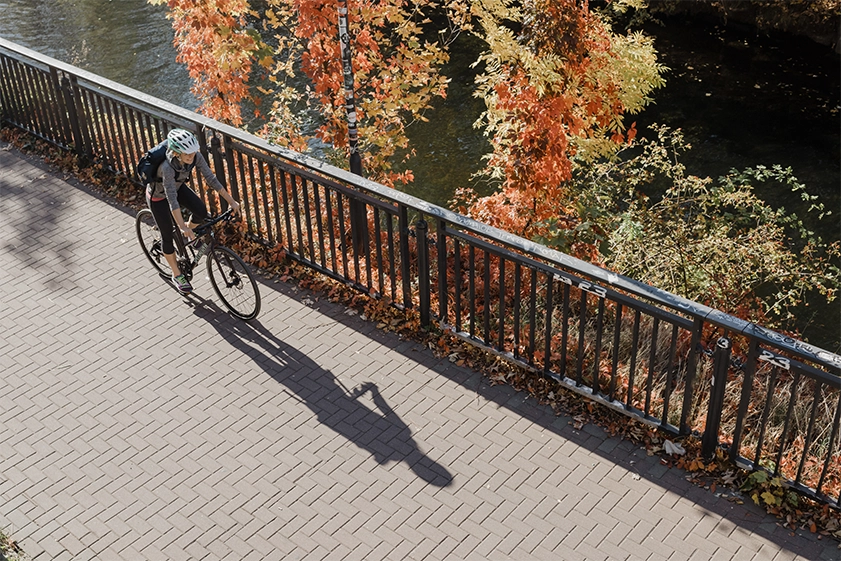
x=229, y=275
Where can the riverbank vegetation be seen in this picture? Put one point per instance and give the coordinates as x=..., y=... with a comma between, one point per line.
x=559, y=85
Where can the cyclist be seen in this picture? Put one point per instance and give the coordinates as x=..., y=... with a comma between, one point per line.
x=169, y=192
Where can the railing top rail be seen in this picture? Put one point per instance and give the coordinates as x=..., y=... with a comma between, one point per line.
x=556, y=258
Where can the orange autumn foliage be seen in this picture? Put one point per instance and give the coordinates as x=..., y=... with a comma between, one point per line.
x=213, y=42
x=556, y=90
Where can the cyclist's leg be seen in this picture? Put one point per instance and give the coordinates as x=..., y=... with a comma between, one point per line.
x=163, y=218
x=188, y=199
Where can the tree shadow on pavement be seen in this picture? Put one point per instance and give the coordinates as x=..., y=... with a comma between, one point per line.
x=380, y=432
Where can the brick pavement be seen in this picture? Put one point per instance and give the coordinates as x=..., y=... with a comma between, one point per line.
x=138, y=424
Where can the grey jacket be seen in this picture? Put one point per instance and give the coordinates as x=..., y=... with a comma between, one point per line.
x=172, y=174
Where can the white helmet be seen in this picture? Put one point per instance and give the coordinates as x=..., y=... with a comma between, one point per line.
x=182, y=141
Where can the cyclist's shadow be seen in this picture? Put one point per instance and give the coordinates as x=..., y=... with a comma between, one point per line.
x=380, y=432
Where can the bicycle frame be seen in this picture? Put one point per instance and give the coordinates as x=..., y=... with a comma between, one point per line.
x=186, y=261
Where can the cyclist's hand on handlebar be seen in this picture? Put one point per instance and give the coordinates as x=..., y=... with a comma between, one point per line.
x=188, y=233
x=235, y=207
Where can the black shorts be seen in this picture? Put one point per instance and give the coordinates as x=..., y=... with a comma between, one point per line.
x=188, y=199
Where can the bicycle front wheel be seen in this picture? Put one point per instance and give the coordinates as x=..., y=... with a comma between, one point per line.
x=150, y=240
x=233, y=282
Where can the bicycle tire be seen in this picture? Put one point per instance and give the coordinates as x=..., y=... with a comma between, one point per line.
x=233, y=283
x=150, y=241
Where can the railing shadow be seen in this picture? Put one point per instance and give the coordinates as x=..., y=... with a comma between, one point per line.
x=743, y=518
x=37, y=237
x=380, y=432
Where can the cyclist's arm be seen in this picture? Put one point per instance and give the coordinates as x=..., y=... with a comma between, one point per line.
x=213, y=181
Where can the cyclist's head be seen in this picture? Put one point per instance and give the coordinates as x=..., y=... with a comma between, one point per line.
x=182, y=141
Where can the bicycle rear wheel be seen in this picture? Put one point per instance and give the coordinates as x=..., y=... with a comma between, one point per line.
x=233, y=282
x=150, y=240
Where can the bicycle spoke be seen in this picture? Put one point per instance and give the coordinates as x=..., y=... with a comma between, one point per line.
x=233, y=283
x=150, y=241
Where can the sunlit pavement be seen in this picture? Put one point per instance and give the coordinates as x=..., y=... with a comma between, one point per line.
x=140, y=424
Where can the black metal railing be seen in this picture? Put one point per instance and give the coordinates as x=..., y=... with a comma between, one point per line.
x=773, y=402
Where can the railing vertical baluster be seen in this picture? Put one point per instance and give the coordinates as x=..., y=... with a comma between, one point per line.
x=501, y=331
x=807, y=442
x=48, y=107
x=73, y=116
x=218, y=170
x=245, y=190
x=532, y=313
x=127, y=145
x=32, y=97
x=113, y=137
x=340, y=212
x=471, y=287
x=652, y=363
x=457, y=284
x=562, y=370
x=518, y=272
x=405, y=263
x=664, y=419
x=366, y=248
x=747, y=386
x=296, y=210
x=277, y=225
x=319, y=223
x=7, y=100
x=59, y=107
x=617, y=334
x=99, y=147
x=125, y=159
x=379, y=245
x=392, y=270
x=598, y=348
x=331, y=229
x=28, y=103
x=486, y=298
x=308, y=212
x=264, y=191
x=357, y=209
x=632, y=369
x=135, y=138
x=792, y=400
x=442, y=271
x=691, y=368
x=547, y=335
x=287, y=213
x=582, y=331
x=250, y=183
x=53, y=96
x=233, y=186
x=769, y=398
x=831, y=448
x=721, y=363
x=38, y=104
x=423, y=271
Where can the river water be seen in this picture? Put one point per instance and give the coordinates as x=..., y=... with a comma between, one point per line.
x=741, y=99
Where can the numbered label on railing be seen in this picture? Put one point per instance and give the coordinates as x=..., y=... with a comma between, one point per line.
x=583, y=285
x=775, y=360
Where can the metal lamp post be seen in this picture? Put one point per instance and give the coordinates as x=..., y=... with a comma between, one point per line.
x=358, y=218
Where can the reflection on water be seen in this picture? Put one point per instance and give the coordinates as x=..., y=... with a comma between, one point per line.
x=127, y=41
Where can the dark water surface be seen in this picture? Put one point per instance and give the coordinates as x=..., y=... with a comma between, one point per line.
x=741, y=99
x=127, y=41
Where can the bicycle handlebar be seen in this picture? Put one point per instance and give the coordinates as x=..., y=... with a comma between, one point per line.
x=201, y=230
